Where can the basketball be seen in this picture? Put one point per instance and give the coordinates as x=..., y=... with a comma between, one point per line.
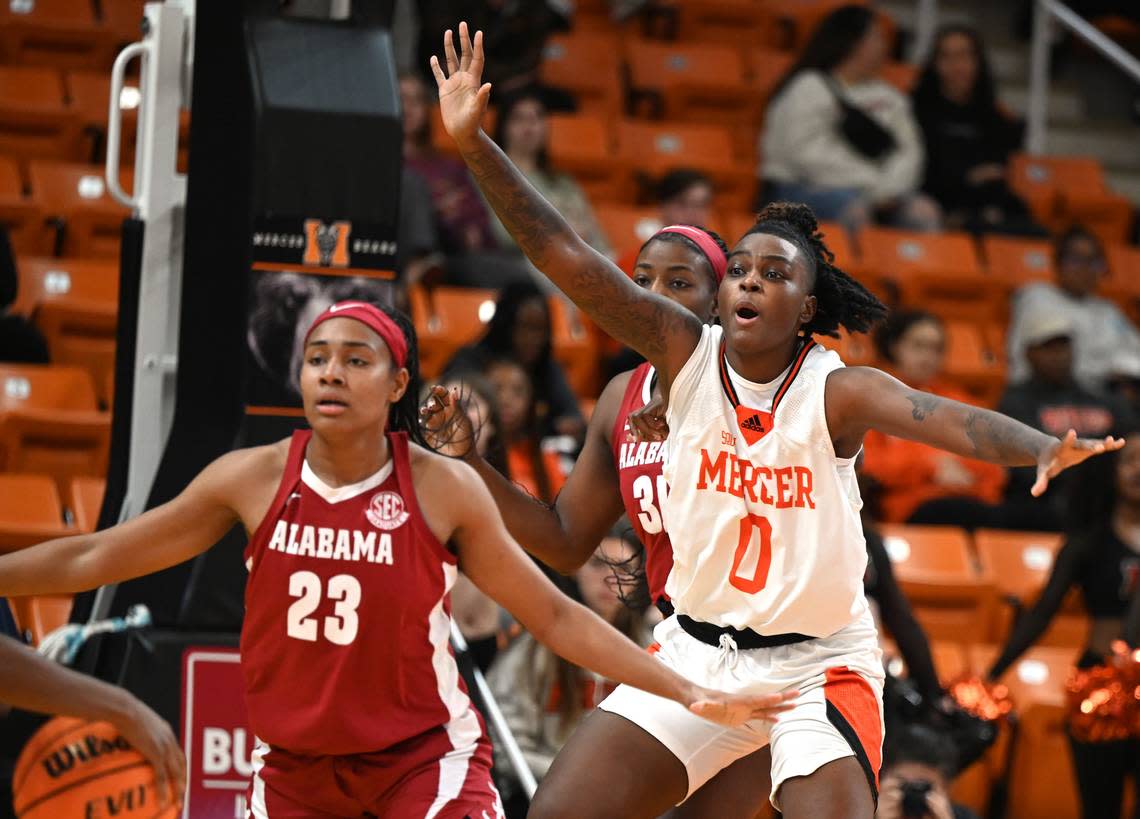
x=73, y=768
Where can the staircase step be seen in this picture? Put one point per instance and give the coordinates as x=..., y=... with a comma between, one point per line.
x=1115, y=144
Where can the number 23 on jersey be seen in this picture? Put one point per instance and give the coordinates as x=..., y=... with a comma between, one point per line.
x=342, y=626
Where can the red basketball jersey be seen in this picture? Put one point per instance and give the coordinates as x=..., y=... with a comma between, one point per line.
x=345, y=646
x=642, y=484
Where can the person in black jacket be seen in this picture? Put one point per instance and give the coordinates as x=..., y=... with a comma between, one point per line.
x=1101, y=555
x=968, y=138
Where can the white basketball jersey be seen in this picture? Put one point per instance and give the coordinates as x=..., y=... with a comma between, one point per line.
x=764, y=518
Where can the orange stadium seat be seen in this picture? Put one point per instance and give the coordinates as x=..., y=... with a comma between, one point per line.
x=649, y=149
x=85, y=500
x=76, y=304
x=581, y=145
x=446, y=319
x=734, y=22
x=1020, y=563
x=627, y=228
x=856, y=349
x=30, y=511
x=123, y=19
x=587, y=63
x=49, y=423
x=1018, y=261
x=973, y=361
x=689, y=82
x=34, y=119
x=76, y=194
x=574, y=346
x=765, y=68
x=39, y=616
x=1063, y=190
x=18, y=213
x=952, y=599
x=940, y=271
x=1041, y=780
x=58, y=33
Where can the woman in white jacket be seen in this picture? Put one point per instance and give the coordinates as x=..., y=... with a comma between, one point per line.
x=818, y=149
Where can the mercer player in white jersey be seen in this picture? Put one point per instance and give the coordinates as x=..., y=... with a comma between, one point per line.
x=763, y=505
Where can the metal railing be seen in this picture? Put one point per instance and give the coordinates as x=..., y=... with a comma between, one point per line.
x=1047, y=12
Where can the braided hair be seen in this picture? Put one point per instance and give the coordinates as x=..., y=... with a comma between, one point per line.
x=404, y=415
x=680, y=239
x=840, y=300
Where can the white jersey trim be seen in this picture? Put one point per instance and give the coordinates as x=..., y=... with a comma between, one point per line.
x=339, y=494
x=462, y=725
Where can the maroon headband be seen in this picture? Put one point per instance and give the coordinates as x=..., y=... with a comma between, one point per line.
x=372, y=317
x=706, y=243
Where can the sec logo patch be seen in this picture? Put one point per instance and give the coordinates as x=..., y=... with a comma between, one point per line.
x=386, y=511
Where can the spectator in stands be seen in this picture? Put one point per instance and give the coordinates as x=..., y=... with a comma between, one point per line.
x=521, y=131
x=918, y=766
x=1099, y=330
x=460, y=213
x=34, y=683
x=1101, y=555
x=531, y=462
x=1124, y=379
x=543, y=697
x=520, y=329
x=913, y=482
x=684, y=197
x=839, y=138
x=968, y=138
x=1053, y=401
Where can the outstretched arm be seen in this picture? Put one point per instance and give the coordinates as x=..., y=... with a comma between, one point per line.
x=662, y=331
x=159, y=538
x=565, y=535
x=35, y=683
x=863, y=398
x=498, y=566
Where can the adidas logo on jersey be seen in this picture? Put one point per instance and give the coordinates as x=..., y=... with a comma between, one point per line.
x=753, y=423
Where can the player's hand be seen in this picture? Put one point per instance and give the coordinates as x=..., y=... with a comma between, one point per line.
x=446, y=425
x=1069, y=451
x=737, y=709
x=648, y=423
x=150, y=735
x=463, y=95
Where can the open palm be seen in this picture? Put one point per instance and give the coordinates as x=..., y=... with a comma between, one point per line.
x=463, y=95
x=1069, y=451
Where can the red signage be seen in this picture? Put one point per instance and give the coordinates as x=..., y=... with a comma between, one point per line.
x=215, y=734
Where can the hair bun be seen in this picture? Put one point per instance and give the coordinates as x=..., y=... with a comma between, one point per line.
x=796, y=214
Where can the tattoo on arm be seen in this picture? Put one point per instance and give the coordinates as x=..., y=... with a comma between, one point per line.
x=992, y=436
x=921, y=405
x=591, y=280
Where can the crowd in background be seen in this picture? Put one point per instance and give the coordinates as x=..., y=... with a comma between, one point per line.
x=859, y=151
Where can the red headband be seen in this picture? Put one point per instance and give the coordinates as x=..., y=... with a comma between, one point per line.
x=372, y=317
x=706, y=243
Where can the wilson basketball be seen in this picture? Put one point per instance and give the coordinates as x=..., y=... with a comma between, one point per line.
x=73, y=768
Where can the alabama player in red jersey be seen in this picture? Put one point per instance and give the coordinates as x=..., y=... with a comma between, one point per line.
x=356, y=536
x=763, y=504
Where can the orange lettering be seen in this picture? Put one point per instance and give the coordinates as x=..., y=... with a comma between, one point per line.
x=803, y=488
x=783, y=487
x=710, y=470
x=765, y=495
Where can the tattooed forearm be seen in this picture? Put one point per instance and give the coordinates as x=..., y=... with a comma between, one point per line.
x=922, y=404
x=593, y=282
x=1001, y=439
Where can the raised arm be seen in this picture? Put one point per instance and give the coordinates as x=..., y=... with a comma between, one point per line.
x=562, y=536
x=862, y=398
x=35, y=683
x=498, y=566
x=662, y=331
x=159, y=538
